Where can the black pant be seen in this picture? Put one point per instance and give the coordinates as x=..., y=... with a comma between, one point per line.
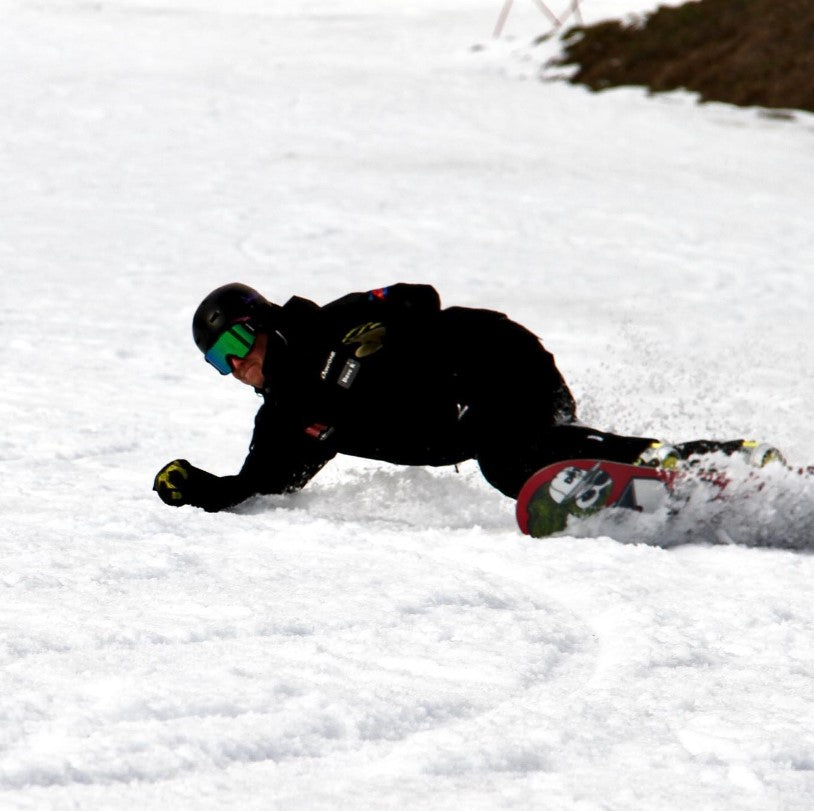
x=509, y=465
x=521, y=413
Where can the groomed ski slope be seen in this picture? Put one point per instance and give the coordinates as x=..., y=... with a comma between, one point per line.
x=387, y=638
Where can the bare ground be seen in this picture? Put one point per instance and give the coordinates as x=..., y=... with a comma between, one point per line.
x=745, y=52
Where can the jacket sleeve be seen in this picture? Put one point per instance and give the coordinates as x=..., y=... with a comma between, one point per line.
x=281, y=459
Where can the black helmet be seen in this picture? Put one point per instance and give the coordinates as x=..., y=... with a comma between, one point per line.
x=231, y=304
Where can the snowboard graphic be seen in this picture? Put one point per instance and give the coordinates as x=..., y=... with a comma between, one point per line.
x=582, y=487
x=585, y=487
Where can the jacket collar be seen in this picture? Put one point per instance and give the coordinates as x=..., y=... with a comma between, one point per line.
x=292, y=342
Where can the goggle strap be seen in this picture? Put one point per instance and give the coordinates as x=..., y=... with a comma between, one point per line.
x=244, y=333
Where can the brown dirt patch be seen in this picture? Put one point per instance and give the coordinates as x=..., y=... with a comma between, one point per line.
x=746, y=52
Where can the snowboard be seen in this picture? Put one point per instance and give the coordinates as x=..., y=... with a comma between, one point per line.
x=584, y=487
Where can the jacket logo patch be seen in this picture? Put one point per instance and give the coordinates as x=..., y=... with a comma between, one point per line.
x=369, y=337
x=319, y=431
x=327, y=367
x=379, y=293
x=348, y=373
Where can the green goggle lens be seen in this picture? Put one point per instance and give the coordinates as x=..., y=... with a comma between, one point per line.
x=235, y=342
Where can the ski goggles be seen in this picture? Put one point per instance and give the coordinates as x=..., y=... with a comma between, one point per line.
x=235, y=342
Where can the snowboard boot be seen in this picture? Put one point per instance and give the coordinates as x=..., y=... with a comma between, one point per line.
x=760, y=454
x=661, y=455
x=668, y=457
x=756, y=454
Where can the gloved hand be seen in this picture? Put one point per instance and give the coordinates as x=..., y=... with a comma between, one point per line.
x=179, y=483
x=172, y=482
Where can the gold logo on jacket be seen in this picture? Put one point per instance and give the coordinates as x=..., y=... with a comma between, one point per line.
x=369, y=337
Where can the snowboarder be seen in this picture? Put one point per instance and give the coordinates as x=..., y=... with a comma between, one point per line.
x=390, y=375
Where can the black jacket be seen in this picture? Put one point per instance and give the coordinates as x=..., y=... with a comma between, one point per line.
x=389, y=375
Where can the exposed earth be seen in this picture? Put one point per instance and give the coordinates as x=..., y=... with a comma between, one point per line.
x=745, y=52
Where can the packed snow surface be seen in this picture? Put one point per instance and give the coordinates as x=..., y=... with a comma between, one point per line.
x=387, y=638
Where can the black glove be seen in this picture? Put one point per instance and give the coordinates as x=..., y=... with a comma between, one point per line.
x=172, y=483
x=179, y=483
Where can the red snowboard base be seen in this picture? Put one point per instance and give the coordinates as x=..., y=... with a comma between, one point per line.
x=582, y=487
